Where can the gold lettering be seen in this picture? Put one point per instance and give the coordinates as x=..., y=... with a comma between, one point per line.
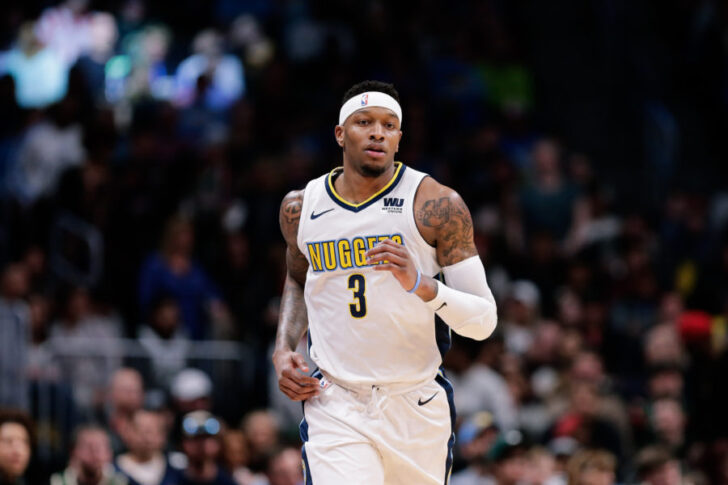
x=359, y=252
x=344, y=248
x=329, y=255
x=314, y=256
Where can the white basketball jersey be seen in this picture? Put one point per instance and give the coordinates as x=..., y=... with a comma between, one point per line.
x=364, y=328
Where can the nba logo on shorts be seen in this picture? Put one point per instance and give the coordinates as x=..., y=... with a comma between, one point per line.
x=364, y=99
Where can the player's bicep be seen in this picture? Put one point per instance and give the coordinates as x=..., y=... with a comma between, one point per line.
x=454, y=231
x=297, y=265
x=289, y=216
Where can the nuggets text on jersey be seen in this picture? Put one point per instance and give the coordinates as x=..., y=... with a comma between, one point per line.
x=344, y=253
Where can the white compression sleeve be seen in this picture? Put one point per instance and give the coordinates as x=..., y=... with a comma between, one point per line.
x=466, y=303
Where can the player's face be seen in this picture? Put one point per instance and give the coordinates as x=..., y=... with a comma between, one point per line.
x=370, y=138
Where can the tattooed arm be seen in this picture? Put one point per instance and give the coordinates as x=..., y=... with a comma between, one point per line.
x=293, y=319
x=465, y=302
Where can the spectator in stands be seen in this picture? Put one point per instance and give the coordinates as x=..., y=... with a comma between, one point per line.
x=236, y=457
x=669, y=425
x=172, y=271
x=541, y=468
x=562, y=449
x=262, y=432
x=656, y=466
x=284, y=467
x=583, y=421
x=91, y=460
x=16, y=443
x=548, y=200
x=14, y=336
x=592, y=467
x=587, y=366
x=41, y=361
x=49, y=147
x=124, y=398
x=508, y=455
x=520, y=315
x=475, y=437
x=191, y=390
x=35, y=260
x=483, y=388
x=40, y=74
x=141, y=70
x=84, y=341
x=65, y=29
x=226, y=80
x=165, y=342
x=663, y=346
x=103, y=35
x=201, y=434
x=666, y=380
x=145, y=463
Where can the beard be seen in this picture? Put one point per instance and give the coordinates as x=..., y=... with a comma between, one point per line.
x=371, y=171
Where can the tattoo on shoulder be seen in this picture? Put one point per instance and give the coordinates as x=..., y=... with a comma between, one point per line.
x=454, y=231
x=435, y=212
x=291, y=210
x=290, y=214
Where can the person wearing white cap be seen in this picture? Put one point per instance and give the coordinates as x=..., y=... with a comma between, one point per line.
x=368, y=245
x=192, y=390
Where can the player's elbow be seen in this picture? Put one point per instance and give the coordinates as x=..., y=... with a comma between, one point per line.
x=481, y=326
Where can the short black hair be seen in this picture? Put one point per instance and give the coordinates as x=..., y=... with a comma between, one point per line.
x=86, y=428
x=22, y=418
x=366, y=86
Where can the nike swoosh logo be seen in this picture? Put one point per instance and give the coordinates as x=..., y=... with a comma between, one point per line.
x=444, y=304
x=420, y=402
x=314, y=215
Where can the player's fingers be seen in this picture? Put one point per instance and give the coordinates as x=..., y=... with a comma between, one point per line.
x=296, y=396
x=388, y=245
x=294, y=391
x=388, y=257
x=298, y=388
x=297, y=377
x=388, y=267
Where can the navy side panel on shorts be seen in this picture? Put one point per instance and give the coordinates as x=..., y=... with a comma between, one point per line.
x=442, y=380
x=303, y=431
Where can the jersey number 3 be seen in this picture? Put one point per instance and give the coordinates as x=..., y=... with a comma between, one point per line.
x=358, y=307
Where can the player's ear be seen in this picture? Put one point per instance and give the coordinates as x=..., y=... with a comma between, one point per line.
x=339, y=135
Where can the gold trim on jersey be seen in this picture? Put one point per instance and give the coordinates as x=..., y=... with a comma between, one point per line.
x=330, y=183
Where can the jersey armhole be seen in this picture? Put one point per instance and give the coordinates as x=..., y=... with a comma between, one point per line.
x=412, y=221
x=302, y=221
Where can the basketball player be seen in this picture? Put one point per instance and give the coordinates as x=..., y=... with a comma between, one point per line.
x=366, y=244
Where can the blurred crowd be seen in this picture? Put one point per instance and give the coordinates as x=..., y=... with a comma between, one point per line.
x=144, y=151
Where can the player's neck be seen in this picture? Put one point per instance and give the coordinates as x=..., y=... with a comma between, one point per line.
x=356, y=187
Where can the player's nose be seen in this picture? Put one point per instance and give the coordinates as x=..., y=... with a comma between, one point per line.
x=377, y=131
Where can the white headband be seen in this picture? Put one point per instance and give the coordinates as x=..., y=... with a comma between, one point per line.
x=368, y=100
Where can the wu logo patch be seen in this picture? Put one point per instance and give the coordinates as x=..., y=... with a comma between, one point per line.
x=393, y=205
x=393, y=202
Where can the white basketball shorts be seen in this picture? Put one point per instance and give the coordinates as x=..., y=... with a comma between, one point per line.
x=380, y=435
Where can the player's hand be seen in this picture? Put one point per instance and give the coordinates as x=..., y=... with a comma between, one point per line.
x=396, y=259
x=290, y=367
